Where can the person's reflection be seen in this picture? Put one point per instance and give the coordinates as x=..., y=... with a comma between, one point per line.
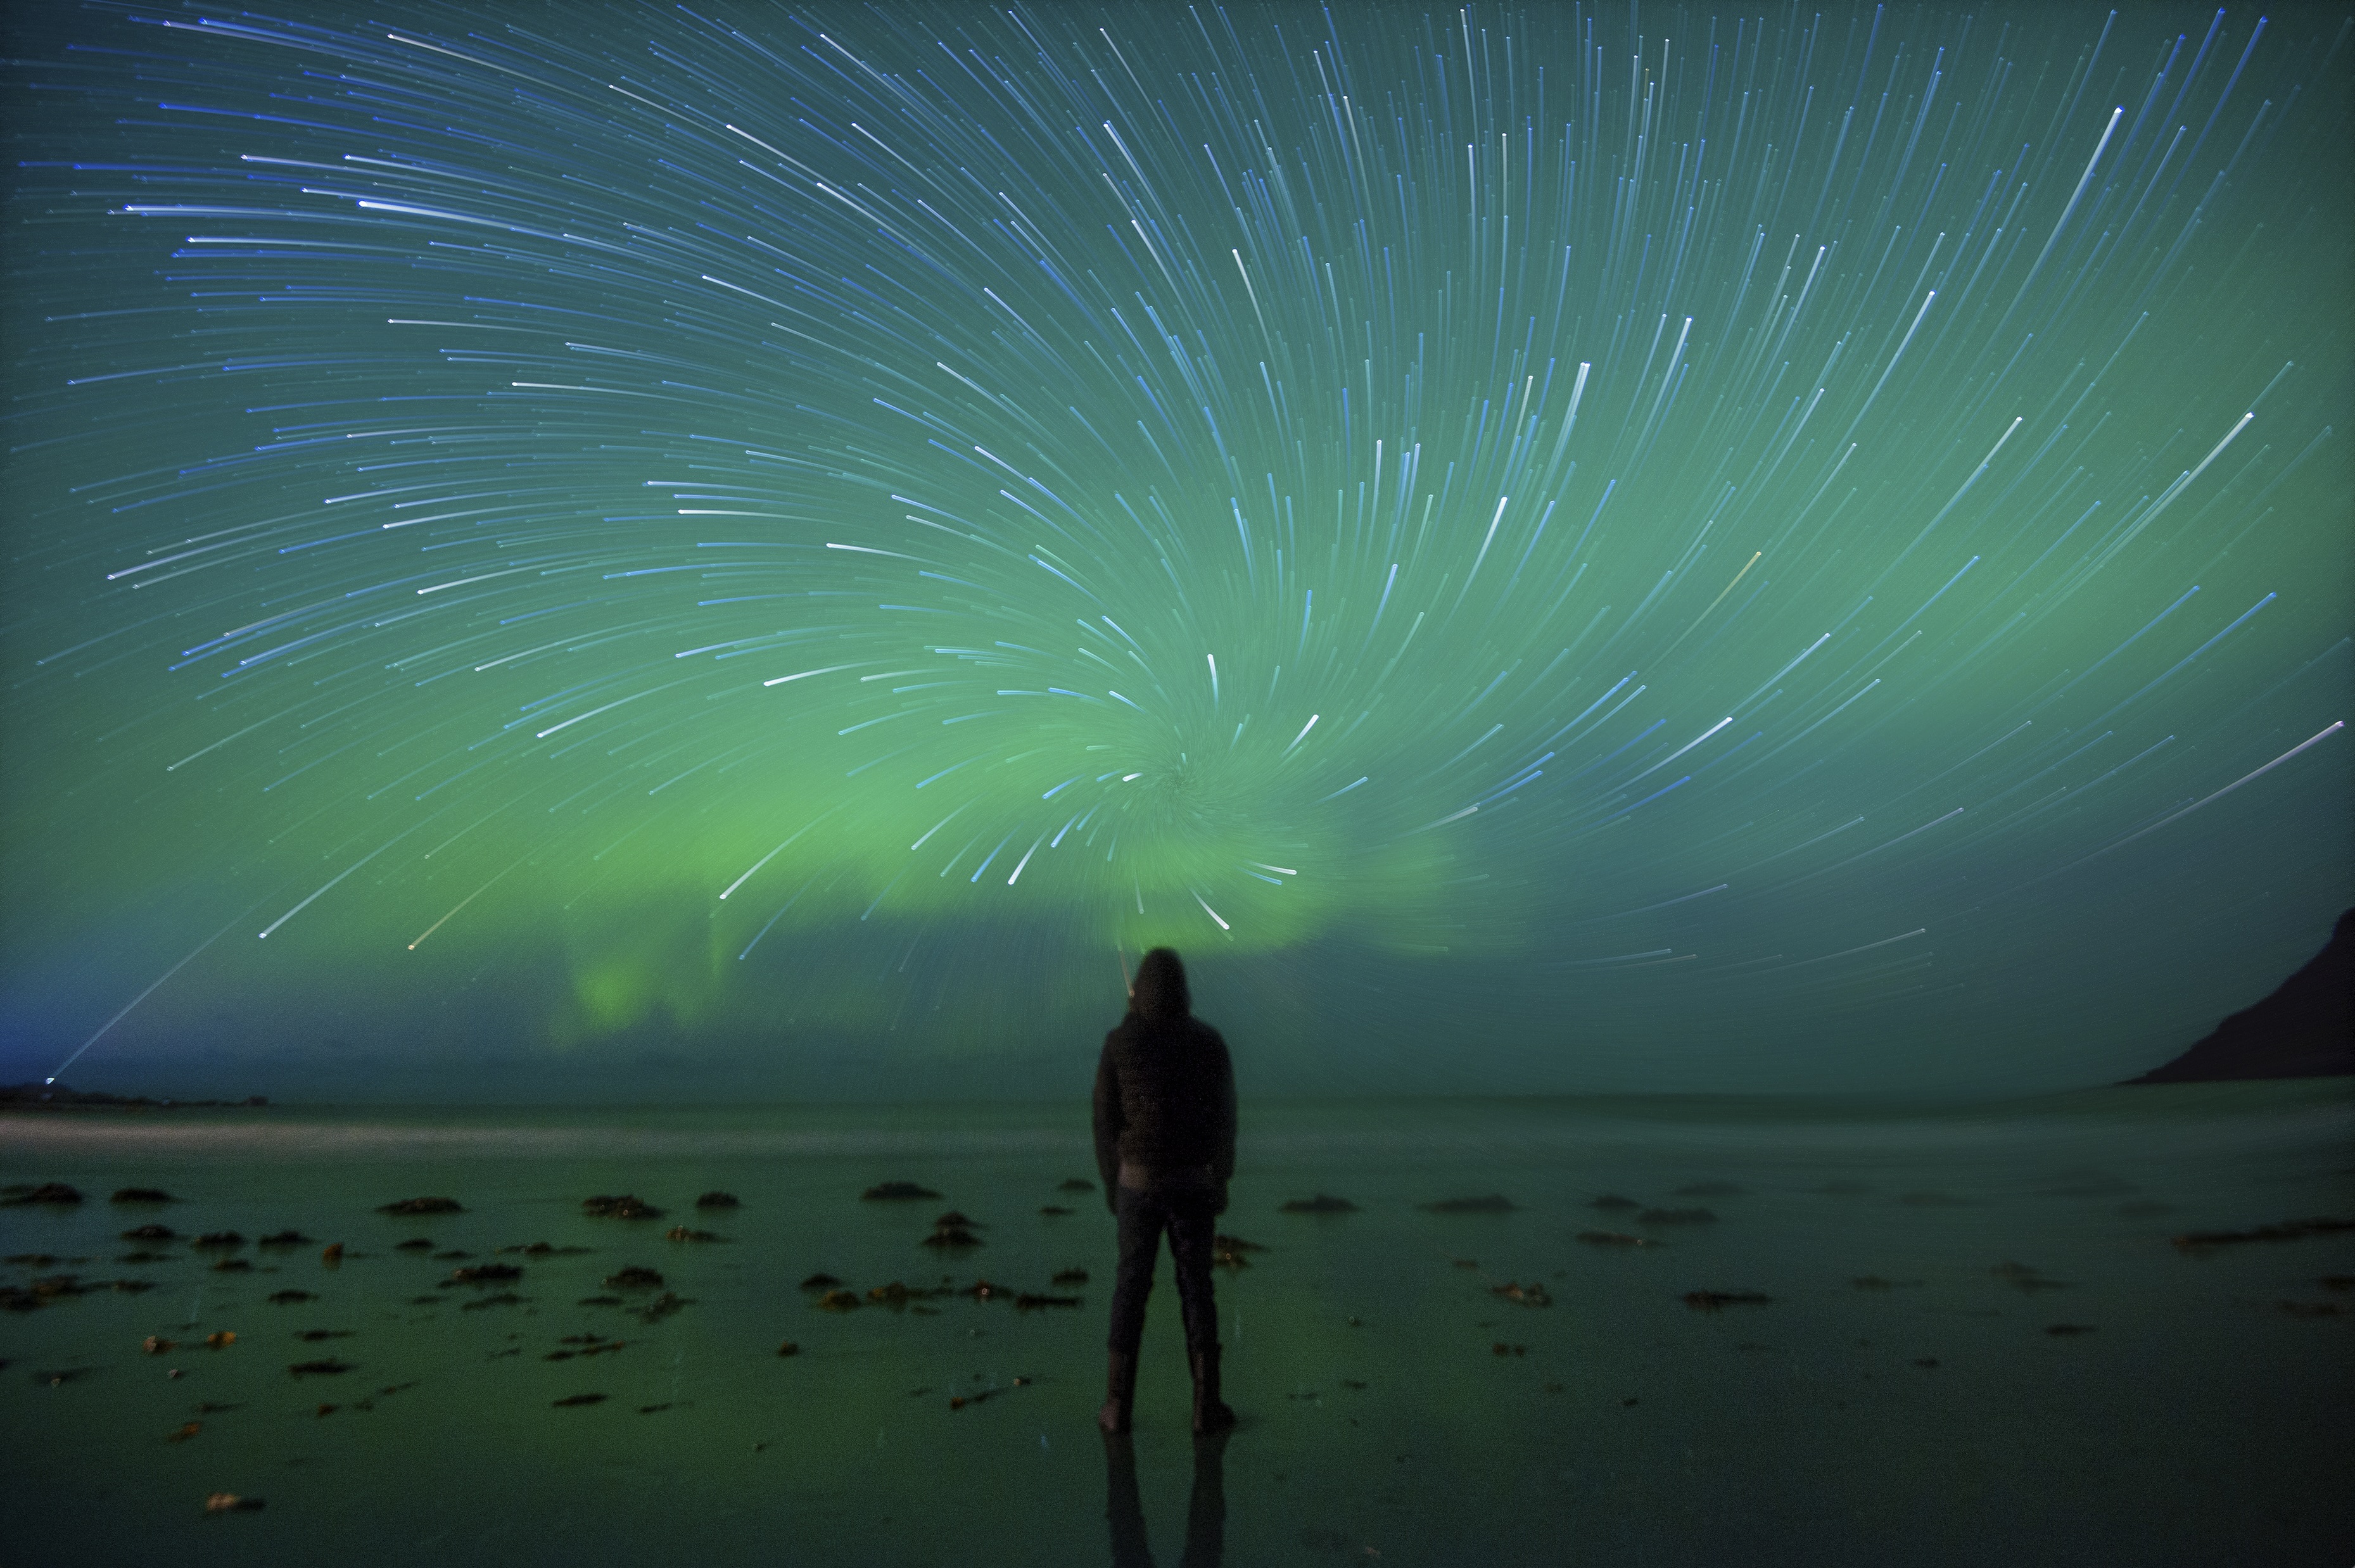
x=1206, y=1511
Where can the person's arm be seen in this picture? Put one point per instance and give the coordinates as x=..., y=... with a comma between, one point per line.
x=1222, y=1157
x=1108, y=1127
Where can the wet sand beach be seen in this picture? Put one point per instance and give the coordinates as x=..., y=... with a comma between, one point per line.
x=1666, y=1331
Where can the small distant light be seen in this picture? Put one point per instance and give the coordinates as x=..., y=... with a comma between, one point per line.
x=1126, y=777
x=49, y=1081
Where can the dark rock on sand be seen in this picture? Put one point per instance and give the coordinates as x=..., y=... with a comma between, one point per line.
x=954, y=1237
x=503, y=1298
x=2287, y=1231
x=56, y=1192
x=1676, y=1217
x=718, y=1200
x=837, y=1301
x=660, y=1308
x=152, y=1234
x=894, y=1190
x=1712, y=1300
x=1615, y=1239
x=579, y=1398
x=329, y=1368
x=626, y=1207
x=414, y=1244
x=1495, y=1203
x=218, y=1239
x=2305, y=1028
x=287, y=1297
x=1029, y=1301
x=820, y=1282
x=485, y=1273
x=634, y=1279
x=681, y=1234
x=233, y=1265
x=284, y=1239
x=1071, y=1276
x=1323, y=1203
x=141, y=1195
x=1531, y=1294
x=423, y=1206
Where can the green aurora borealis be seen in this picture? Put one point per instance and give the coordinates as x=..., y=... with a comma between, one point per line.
x=633, y=550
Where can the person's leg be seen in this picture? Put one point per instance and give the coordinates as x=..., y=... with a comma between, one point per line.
x=1191, y=1236
x=1140, y=1239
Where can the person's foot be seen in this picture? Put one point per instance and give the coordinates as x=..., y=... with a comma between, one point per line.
x=1210, y=1413
x=1120, y=1393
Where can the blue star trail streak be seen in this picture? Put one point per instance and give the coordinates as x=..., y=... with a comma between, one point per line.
x=1541, y=548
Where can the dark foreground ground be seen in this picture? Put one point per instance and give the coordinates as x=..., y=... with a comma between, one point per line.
x=1977, y=1342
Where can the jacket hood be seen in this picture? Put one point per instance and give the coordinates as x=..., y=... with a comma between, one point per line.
x=1159, y=990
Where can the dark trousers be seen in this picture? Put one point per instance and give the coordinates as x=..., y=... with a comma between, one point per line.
x=1187, y=1213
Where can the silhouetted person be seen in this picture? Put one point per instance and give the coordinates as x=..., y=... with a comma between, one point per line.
x=1165, y=1127
x=1206, y=1509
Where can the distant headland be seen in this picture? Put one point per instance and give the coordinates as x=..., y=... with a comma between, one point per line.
x=2304, y=1030
x=59, y=1097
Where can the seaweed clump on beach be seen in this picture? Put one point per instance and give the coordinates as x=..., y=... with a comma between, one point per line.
x=423, y=1206
x=2287, y=1231
x=1493, y=1203
x=893, y=1191
x=718, y=1200
x=627, y=1206
x=141, y=1195
x=51, y=1192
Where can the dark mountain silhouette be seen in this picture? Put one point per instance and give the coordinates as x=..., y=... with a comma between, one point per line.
x=2304, y=1030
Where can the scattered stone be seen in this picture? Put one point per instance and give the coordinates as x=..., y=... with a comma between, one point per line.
x=152, y=1234
x=286, y=1239
x=2020, y=1276
x=718, y=1200
x=326, y=1369
x=144, y=1257
x=1712, y=1300
x=332, y=1253
x=184, y=1433
x=485, y=1273
x=414, y=1244
x=572, y=1399
x=1029, y=1301
x=660, y=1308
x=837, y=1301
x=503, y=1298
x=681, y=1234
x=423, y=1206
x=230, y=1502
x=2287, y=1231
x=601, y=1301
x=313, y=1336
x=1495, y=1203
x=56, y=1192
x=141, y=1195
x=1075, y=1184
x=1676, y=1217
x=544, y=1250
x=222, y=1340
x=1071, y=1276
x=286, y=1297
x=1615, y=1239
x=628, y=1206
x=789, y=1349
x=234, y=1266
x=1323, y=1203
x=820, y=1282
x=888, y=1191
x=1527, y=1294
x=158, y=1347
x=634, y=1278
x=2069, y=1330
x=218, y=1239
x=453, y=1256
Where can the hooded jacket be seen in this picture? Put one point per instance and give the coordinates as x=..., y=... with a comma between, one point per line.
x=1165, y=1091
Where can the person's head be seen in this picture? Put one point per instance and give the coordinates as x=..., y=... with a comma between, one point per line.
x=1159, y=990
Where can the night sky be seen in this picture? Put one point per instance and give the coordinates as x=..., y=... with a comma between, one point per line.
x=685, y=552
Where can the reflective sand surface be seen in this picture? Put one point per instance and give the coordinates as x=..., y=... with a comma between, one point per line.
x=1901, y=1394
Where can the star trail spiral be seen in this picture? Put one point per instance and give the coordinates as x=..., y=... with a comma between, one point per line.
x=1542, y=548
